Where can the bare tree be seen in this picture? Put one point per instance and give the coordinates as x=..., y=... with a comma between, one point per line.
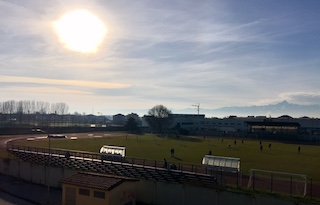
x=19, y=107
x=19, y=111
x=2, y=118
x=1, y=107
x=42, y=107
x=60, y=108
x=33, y=107
x=9, y=107
x=159, y=118
x=26, y=106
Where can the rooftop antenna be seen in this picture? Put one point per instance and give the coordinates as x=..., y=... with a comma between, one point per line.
x=198, y=107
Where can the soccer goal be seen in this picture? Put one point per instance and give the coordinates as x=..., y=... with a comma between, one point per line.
x=278, y=182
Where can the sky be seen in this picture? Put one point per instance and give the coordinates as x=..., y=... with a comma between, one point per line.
x=174, y=53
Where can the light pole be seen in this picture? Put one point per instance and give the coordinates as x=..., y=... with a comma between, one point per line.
x=48, y=189
x=47, y=175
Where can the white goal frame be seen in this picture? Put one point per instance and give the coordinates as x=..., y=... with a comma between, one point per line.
x=303, y=176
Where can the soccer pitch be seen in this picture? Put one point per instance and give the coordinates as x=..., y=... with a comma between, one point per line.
x=282, y=157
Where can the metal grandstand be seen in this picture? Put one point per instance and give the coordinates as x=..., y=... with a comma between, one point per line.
x=130, y=167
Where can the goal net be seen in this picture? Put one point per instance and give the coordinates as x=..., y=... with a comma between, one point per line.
x=278, y=182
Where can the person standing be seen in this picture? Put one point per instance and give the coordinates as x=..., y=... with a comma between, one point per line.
x=165, y=164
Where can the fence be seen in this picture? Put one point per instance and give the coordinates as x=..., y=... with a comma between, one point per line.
x=283, y=183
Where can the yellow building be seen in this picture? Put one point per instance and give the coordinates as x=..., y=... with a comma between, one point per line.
x=91, y=188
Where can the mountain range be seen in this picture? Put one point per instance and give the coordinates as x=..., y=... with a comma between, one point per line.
x=272, y=110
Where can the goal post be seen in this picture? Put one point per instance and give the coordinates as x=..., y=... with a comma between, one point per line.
x=280, y=182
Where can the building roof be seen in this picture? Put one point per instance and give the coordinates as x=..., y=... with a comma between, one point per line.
x=273, y=123
x=119, y=115
x=95, y=181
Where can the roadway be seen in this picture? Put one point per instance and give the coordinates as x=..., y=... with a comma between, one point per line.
x=7, y=138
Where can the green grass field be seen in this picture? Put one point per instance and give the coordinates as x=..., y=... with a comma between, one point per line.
x=190, y=150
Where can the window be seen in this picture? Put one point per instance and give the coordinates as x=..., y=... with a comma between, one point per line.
x=85, y=192
x=99, y=194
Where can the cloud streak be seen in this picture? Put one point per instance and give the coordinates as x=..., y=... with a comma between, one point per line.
x=10, y=79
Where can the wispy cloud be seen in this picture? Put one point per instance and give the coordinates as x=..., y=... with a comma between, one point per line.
x=10, y=79
x=45, y=90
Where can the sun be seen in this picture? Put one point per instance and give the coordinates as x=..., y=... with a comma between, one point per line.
x=80, y=31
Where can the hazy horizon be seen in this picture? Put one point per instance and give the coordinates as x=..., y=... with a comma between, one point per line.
x=283, y=108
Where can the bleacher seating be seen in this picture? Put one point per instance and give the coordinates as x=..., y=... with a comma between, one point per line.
x=122, y=169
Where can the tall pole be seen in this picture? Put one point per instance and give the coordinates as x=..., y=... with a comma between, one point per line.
x=48, y=176
x=48, y=167
x=47, y=172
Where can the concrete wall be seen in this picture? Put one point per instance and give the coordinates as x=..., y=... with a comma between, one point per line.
x=159, y=193
x=123, y=194
x=38, y=174
x=35, y=173
x=149, y=192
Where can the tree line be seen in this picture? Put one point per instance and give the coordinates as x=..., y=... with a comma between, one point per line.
x=159, y=118
x=33, y=113
x=31, y=107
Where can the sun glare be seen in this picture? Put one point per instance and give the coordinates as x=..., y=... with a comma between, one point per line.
x=80, y=31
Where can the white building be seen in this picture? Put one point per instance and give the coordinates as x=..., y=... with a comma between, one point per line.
x=200, y=123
